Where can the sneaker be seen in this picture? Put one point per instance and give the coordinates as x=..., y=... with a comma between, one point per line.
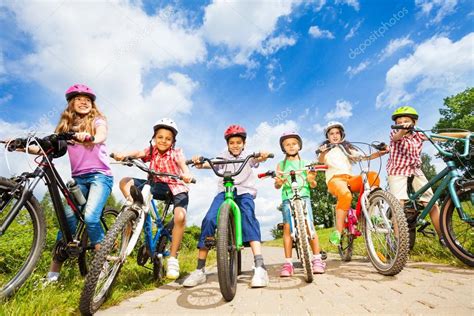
x=51, y=277
x=195, y=278
x=286, y=270
x=173, y=268
x=260, y=277
x=335, y=237
x=318, y=265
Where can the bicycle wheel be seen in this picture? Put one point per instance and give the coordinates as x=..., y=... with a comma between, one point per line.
x=346, y=245
x=303, y=242
x=22, y=243
x=387, y=245
x=226, y=253
x=107, y=263
x=457, y=231
x=108, y=218
x=161, y=249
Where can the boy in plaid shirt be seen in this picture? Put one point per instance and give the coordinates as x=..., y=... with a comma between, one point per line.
x=405, y=161
x=164, y=157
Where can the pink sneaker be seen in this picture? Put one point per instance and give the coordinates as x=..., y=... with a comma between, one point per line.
x=286, y=270
x=318, y=265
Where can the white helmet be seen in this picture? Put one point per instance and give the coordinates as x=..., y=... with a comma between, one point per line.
x=334, y=124
x=168, y=124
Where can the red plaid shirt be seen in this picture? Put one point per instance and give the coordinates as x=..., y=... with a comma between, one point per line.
x=167, y=162
x=405, y=155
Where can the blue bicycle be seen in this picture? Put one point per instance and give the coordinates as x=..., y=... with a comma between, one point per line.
x=123, y=236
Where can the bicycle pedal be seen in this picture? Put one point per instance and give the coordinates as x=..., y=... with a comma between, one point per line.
x=210, y=242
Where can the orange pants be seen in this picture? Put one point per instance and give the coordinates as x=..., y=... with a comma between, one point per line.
x=341, y=186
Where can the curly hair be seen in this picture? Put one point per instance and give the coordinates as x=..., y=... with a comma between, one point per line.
x=70, y=121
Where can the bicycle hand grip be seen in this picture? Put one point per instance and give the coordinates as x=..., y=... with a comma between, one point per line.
x=112, y=155
x=189, y=162
x=271, y=155
x=89, y=139
x=401, y=127
x=262, y=175
x=193, y=180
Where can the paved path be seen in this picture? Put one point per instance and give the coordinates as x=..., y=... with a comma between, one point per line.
x=346, y=288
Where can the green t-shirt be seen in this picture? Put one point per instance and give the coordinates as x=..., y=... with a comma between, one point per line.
x=304, y=190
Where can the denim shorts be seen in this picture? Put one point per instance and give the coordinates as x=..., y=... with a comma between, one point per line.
x=286, y=210
x=161, y=191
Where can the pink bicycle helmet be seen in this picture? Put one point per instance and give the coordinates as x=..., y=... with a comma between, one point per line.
x=290, y=134
x=78, y=89
x=235, y=130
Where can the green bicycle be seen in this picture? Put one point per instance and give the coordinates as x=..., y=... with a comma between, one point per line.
x=229, y=227
x=456, y=213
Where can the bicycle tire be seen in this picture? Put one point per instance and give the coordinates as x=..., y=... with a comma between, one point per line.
x=163, y=242
x=92, y=297
x=393, y=255
x=14, y=257
x=226, y=253
x=85, y=257
x=461, y=248
x=303, y=242
x=346, y=245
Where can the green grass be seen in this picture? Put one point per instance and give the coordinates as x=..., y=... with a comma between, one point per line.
x=63, y=298
x=427, y=249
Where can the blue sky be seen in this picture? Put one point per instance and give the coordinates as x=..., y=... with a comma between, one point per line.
x=268, y=65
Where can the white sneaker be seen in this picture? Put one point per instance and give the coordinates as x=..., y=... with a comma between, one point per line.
x=260, y=278
x=51, y=277
x=196, y=277
x=173, y=268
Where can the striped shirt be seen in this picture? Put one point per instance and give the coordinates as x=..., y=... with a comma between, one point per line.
x=405, y=155
x=167, y=162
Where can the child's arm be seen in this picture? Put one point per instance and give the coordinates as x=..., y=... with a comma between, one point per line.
x=278, y=181
x=199, y=165
x=263, y=156
x=187, y=176
x=132, y=154
x=401, y=132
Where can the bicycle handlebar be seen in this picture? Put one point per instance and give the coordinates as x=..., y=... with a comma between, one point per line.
x=221, y=161
x=46, y=142
x=430, y=137
x=310, y=167
x=130, y=162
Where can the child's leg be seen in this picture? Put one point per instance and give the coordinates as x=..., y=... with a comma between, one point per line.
x=178, y=230
x=418, y=182
x=338, y=187
x=287, y=242
x=434, y=214
x=124, y=186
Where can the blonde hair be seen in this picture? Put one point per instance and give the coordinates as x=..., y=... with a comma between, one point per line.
x=69, y=118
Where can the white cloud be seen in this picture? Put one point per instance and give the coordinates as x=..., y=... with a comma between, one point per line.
x=318, y=128
x=354, y=71
x=274, y=44
x=316, y=32
x=274, y=82
x=443, y=8
x=437, y=64
x=353, y=3
x=243, y=26
x=394, y=45
x=342, y=111
x=353, y=31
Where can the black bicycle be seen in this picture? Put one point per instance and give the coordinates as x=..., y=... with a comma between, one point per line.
x=23, y=222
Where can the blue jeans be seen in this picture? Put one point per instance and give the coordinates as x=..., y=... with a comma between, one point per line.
x=96, y=188
x=286, y=209
x=250, y=224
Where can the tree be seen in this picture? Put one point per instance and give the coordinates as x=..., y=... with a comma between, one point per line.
x=459, y=114
x=322, y=203
x=275, y=231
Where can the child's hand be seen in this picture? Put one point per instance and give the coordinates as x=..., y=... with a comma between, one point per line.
x=263, y=156
x=197, y=162
x=323, y=148
x=82, y=136
x=187, y=177
x=311, y=178
x=279, y=182
x=118, y=156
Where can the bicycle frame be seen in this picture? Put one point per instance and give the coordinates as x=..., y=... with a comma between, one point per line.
x=150, y=240
x=229, y=199
x=48, y=172
x=450, y=174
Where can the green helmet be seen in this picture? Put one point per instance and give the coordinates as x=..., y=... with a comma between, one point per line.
x=405, y=111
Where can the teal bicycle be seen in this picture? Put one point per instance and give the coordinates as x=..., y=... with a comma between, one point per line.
x=229, y=226
x=456, y=213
